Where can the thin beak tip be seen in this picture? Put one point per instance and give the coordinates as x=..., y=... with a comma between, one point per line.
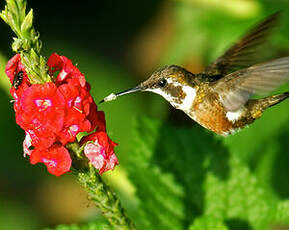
x=113, y=96
x=100, y=102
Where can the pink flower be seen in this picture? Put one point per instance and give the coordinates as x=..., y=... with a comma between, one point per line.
x=100, y=152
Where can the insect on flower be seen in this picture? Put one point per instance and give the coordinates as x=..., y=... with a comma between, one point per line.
x=18, y=79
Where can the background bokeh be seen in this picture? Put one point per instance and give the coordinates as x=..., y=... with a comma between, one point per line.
x=117, y=44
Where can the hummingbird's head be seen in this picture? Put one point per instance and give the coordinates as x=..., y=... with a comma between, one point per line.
x=174, y=83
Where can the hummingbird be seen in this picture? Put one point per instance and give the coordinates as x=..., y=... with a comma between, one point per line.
x=220, y=97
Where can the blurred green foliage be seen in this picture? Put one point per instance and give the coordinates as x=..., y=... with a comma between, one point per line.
x=178, y=177
x=100, y=225
x=187, y=177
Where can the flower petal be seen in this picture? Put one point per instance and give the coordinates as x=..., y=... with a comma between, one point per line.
x=56, y=159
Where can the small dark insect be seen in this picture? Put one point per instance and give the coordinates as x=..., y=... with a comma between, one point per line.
x=18, y=79
x=31, y=147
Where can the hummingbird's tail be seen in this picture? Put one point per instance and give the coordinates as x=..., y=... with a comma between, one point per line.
x=273, y=100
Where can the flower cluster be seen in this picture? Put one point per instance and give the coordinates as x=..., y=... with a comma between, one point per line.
x=53, y=113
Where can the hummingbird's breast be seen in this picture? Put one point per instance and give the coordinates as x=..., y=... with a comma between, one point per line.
x=209, y=112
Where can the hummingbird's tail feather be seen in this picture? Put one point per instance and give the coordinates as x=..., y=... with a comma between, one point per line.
x=273, y=100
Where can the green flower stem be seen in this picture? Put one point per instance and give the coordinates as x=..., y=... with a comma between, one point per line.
x=102, y=195
x=27, y=43
x=105, y=199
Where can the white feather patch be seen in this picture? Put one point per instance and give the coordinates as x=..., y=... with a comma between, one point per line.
x=235, y=116
x=189, y=98
x=168, y=97
x=187, y=102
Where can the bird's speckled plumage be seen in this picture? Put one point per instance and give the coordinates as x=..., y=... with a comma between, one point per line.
x=219, y=98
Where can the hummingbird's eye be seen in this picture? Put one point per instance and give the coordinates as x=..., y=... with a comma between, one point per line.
x=162, y=83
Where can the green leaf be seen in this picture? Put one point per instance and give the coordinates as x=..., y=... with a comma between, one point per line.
x=97, y=225
x=168, y=168
x=282, y=213
x=27, y=42
x=186, y=177
x=204, y=223
x=160, y=196
x=27, y=22
x=240, y=197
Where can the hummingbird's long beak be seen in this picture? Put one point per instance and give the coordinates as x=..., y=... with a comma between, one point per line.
x=113, y=96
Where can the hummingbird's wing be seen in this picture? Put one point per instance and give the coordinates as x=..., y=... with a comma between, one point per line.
x=236, y=88
x=243, y=53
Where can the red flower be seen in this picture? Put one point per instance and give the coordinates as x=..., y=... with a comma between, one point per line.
x=41, y=109
x=56, y=159
x=101, y=151
x=17, y=76
x=53, y=113
x=66, y=68
x=99, y=119
x=78, y=106
x=41, y=140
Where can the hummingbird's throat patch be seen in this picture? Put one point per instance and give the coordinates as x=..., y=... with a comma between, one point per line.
x=188, y=101
x=181, y=97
